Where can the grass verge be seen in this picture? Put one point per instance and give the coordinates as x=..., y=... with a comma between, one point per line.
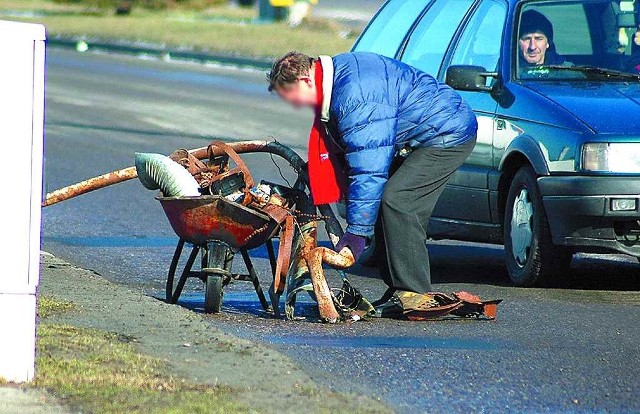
x=96, y=371
x=219, y=29
x=48, y=306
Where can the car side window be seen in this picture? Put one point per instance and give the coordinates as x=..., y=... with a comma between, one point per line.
x=388, y=29
x=480, y=42
x=430, y=39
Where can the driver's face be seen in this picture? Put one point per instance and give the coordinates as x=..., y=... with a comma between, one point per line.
x=533, y=47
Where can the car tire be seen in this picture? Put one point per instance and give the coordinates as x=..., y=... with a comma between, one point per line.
x=531, y=257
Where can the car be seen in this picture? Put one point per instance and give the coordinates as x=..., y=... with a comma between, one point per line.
x=556, y=167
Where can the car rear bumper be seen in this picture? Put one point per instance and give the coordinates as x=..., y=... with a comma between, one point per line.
x=579, y=212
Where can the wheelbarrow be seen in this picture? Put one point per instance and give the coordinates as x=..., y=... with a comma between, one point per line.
x=217, y=229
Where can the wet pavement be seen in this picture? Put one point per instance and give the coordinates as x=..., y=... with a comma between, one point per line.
x=573, y=348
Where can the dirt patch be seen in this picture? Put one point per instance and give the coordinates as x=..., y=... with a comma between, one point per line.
x=19, y=399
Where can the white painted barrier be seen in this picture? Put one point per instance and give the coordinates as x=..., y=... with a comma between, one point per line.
x=21, y=138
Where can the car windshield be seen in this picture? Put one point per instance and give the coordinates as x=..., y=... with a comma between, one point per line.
x=593, y=40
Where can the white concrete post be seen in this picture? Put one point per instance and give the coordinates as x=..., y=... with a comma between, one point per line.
x=21, y=139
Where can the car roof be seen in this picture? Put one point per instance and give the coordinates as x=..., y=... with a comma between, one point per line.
x=516, y=2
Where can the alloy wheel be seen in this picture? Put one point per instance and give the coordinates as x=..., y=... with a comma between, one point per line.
x=521, y=233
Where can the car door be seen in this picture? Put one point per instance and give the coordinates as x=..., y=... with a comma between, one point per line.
x=466, y=197
x=478, y=44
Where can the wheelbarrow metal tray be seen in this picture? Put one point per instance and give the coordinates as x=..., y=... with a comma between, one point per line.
x=198, y=220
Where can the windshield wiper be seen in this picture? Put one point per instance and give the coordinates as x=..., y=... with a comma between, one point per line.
x=594, y=70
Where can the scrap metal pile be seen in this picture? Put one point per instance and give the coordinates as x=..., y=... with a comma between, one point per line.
x=214, y=206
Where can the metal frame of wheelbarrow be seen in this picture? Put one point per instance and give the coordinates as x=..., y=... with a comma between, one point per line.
x=217, y=228
x=217, y=255
x=215, y=272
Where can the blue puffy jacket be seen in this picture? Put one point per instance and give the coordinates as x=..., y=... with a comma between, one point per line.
x=378, y=106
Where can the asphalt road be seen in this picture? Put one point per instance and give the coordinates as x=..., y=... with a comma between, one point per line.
x=569, y=349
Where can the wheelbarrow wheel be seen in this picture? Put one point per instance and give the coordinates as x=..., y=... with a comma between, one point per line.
x=213, y=294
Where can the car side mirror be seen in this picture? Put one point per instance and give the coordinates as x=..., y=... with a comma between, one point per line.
x=469, y=78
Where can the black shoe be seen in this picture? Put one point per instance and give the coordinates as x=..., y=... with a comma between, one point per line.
x=389, y=309
x=388, y=294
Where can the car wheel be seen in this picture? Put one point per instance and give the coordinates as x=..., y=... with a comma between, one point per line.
x=531, y=257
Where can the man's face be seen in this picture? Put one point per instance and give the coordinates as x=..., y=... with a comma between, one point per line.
x=299, y=94
x=533, y=47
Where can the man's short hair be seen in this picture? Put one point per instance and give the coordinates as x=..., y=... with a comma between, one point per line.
x=288, y=69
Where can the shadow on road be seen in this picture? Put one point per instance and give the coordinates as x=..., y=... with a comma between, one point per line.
x=470, y=264
x=453, y=262
x=591, y=272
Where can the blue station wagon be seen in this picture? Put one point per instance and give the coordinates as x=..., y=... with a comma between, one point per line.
x=555, y=86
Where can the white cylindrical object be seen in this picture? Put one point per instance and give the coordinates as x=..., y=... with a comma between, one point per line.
x=22, y=55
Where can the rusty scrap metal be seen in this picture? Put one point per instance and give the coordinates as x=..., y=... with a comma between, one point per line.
x=130, y=173
x=284, y=255
x=198, y=220
x=315, y=258
x=419, y=307
x=90, y=184
x=435, y=305
x=228, y=153
x=298, y=277
x=309, y=261
x=307, y=265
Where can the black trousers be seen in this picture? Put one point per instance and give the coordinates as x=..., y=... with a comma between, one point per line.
x=410, y=196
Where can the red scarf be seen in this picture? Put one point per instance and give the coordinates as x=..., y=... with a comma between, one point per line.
x=326, y=178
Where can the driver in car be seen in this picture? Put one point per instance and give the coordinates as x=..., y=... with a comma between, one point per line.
x=536, y=43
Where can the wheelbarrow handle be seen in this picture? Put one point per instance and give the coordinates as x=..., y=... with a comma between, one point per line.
x=90, y=184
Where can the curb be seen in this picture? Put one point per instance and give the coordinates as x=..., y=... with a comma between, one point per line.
x=82, y=44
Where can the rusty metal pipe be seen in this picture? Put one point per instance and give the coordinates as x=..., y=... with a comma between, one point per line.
x=315, y=258
x=89, y=185
x=311, y=257
x=342, y=260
